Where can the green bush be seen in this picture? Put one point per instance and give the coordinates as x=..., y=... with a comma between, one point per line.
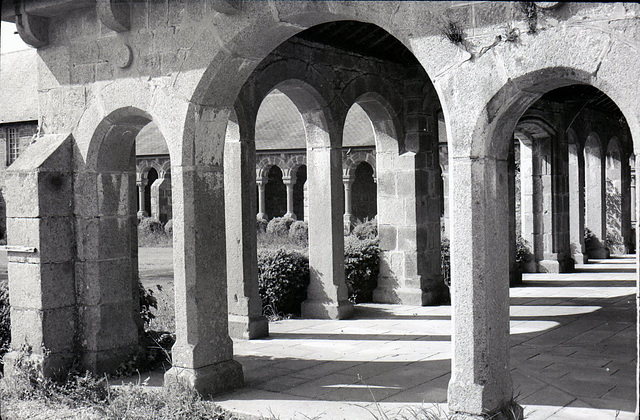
x=445, y=261
x=361, y=268
x=299, y=231
x=283, y=277
x=150, y=225
x=279, y=226
x=5, y=320
x=591, y=241
x=168, y=227
x=147, y=301
x=367, y=229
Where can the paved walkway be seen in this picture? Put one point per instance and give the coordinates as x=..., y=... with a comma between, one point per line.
x=573, y=355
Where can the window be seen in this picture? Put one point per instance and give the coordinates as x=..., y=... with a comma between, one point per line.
x=13, y=147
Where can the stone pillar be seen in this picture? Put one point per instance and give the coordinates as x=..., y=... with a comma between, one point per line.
x=576, y=204
x=626, y=206
x=156, y=190
x=526, y=202
x=305, y=202
x=245, y=307
x=262, y=205
x=637, y=226
x=41, y=254
x=289, y=182
x=632, y=168
x=203, y=352
x=327, y=292
x=445, y=210
x=560, y=252
x=480, y=379
x=141, y=184
x=408, y=196
x=595, y=193
x=348, y=217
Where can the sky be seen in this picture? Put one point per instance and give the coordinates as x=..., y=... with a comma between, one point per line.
x=10, y=41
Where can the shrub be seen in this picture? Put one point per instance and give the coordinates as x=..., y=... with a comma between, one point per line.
x=367, y=229
x=147, y=301
x=168, y=227
x=283, y=277
x=279, y=226
x=299, y=231
x=523, y=252
x=591, y=241
x=445, y=261
x=150, y=225
x=151, y=232
x=5, y=320
x=261, y=225
x=361, y=268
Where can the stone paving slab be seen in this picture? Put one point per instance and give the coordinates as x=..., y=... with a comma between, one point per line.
x=572, y=356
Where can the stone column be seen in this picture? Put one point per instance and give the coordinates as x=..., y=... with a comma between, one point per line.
x=480, y=379
x=348, y=217
x=625, y=204
x=637, y=226
x=560, y=252
x=445, y=210
x=595, y=193
x=245, y=307
x=408, y=196
x=327, y=293
x=526, y=202
x=203, y=352
x=289, y=182
x=576, y=204
x=141, y=184
x=41, y=255
x=262, y=205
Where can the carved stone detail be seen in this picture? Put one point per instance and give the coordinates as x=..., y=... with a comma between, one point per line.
x=228, y=7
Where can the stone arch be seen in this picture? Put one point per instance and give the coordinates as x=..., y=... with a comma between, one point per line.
x=107, y=267
x=266, y=163
x=354, y=159
x=483, y=161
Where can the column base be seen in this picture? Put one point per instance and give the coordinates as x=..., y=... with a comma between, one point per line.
x=405, y=296
x=248, y=327
x=319, y=310
x=141, y=214
x=580, y=258
x=474, y=401
x=290, y=216
x=208, y=380
x=552, y=264
x=262, y=216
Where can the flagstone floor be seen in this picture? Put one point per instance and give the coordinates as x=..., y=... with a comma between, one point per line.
x=573, y=355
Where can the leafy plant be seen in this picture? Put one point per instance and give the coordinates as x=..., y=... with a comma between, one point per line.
x=299, y=232
x=453, y=32
x=5, y=319
x=283, y=277
x=365, y=229
x=279, y=226
x=445, y=261
x=361, y=267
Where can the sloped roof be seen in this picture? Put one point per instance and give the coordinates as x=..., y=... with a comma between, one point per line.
x=150, y=141
x=18, y=86
x=279, y=125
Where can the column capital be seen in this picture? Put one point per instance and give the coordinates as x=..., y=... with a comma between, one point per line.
x=289, y=180
x=348, y=179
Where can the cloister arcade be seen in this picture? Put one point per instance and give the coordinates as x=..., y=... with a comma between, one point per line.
x=564, y=119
